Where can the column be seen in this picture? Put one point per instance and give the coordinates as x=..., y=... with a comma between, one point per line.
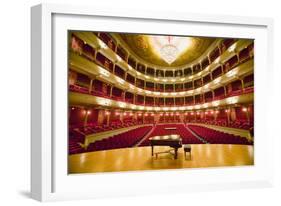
x=101, y=115
x=86, y=117
x=156, y=117
x=134, y=98
x=181, y=117
x=113, y=68
x=209, y=59
x=232, y=114
x=242, y=84
x=91, y=85
x=111, y=87
x=203, y=95
x=225, y=94
x=135, y=117
x=121, y=116
x=126, y=73
x=215, y=115
x=124, y=95
x=228, y=115
x=238, y=59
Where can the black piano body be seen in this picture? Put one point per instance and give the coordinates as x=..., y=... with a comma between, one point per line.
x=172, y=140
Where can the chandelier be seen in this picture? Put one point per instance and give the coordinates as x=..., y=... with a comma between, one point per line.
x=169, y=48
x=169, y=53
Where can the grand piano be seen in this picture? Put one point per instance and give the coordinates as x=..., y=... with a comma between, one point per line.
x=173, y=141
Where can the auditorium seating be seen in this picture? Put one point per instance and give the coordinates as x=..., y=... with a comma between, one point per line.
x=180, y=129
x=123, y=140
x=239, y=124
x=217, y=137
x=75, y=138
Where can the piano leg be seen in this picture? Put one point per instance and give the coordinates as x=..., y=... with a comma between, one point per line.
x=176, y=153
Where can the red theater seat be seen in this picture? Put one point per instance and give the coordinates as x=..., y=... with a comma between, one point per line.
x=217, y=137
x=123, y=140
x=180, y=129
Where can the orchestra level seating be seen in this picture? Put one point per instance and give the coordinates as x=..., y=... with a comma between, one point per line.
x=217, y=137
x=123, y=140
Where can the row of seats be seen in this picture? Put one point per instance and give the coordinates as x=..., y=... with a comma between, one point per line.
x=180, y=129
x=132, y=137
x=123, y=140
x=239, y=124
x=75, y=138
x=92, y=128
x=77, y=133
x=217, y=137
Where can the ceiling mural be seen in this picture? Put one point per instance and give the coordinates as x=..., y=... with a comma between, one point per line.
x=167, y=50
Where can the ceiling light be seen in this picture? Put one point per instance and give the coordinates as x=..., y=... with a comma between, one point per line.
x=169, y=48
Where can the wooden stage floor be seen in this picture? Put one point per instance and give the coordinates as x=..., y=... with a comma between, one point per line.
x=139, y=158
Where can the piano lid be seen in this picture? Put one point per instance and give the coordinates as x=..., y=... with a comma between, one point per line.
x=166, y=137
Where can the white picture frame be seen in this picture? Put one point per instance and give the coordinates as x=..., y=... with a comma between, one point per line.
x=49, y=178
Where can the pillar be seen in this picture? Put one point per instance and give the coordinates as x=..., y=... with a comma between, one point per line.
x=232, y=114
x=242, y=85
x=121, y=116
x=90, y=86
x=107, y=119
x=86, y=118
x=134, y=98
x=228, y=115
x=182, y=117
x=101, y=116
x=156, y=117
x=111, y=87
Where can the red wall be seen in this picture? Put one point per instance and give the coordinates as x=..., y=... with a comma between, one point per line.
x=93, y=116
x=76, y=116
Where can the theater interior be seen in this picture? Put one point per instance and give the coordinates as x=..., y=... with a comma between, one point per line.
x=150, y=102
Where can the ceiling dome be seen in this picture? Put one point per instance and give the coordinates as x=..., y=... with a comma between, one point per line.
x=167, y=50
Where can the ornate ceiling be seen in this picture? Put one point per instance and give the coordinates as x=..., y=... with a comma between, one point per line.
x=167, y=50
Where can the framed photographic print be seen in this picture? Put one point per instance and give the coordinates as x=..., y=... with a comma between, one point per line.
x=133, y=102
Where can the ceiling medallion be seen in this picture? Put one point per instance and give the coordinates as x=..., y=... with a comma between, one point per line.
x=169, y=48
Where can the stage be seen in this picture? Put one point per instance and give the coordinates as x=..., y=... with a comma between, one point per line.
x=139, y=158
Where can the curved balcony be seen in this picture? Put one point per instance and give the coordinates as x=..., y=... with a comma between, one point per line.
x=78, y=98
x=84, y=66
x=114, y=59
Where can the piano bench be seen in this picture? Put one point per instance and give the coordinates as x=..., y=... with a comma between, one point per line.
x=187, y=149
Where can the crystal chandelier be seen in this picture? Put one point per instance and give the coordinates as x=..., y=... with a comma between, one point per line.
x=169, y=48
x=169, y=52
